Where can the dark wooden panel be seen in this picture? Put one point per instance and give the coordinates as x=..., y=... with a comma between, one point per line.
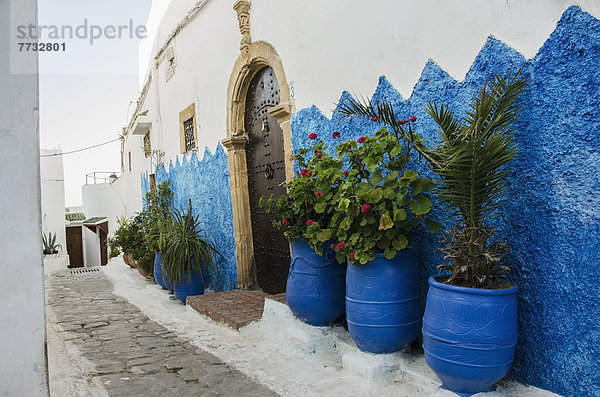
x=266, y=172
x=75, y=246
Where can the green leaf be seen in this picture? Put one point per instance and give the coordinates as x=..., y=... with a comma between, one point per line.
x=400, y=242
x=434, y=226
x=389, y=193
x=343, y=204
x=399, y=214
x=386, y=221
x=320, y=207
x=375, y=195
x=421, y=206
x=324, y=235
x=389, y=253
x=345, y=223
x=396, y=151
x=377, y=177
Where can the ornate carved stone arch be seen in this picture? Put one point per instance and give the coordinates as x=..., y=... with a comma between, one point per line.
x=254, y=56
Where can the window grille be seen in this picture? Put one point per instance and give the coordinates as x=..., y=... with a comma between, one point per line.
x=188, y=131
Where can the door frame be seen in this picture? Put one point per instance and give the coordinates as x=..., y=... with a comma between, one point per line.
x=254, y=56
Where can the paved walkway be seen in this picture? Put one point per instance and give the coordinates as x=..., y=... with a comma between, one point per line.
x=118, y=351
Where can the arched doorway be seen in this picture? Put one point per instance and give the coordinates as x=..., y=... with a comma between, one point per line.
x=259, y=57
x=266, y=173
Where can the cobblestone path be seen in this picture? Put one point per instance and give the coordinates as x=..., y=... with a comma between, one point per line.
x=131, y=354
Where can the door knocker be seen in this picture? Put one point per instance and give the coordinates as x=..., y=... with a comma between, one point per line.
x=269, y=172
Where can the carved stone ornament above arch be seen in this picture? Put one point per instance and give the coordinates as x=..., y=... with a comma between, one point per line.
x=253, y=57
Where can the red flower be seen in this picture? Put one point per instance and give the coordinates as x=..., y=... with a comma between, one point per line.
x=319, y=155
x=319, y=193
x=291, y=159
x=335, y=134
x=413, y=118
x=361, y=139
x=309, y=222
x=402, y=122
x=332, y=245
x=352, y=256
x=365, y=208
x=340, y=246
x=312, y=136
x=305, y=172
x=345, y=173
x=374, y=118
x=285, y=221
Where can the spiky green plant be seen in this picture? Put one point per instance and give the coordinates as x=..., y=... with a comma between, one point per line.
x=49, y=244
x=186, y=248
x=471, y=164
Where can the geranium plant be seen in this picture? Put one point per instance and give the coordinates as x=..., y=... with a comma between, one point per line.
x=302, y=212
x=471, y=164
x=375, y=197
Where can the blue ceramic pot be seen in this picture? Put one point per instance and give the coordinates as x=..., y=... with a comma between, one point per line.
x=315, y=284
x=159, y=275
x=383, y=304
x=469, y=335
x=193, y=285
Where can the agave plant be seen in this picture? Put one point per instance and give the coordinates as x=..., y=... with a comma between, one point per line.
x=471, y=164
x=184, y=247
x=49, y=244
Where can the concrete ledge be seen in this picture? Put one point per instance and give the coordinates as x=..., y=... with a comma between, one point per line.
x=374, y=368
x=294, y=333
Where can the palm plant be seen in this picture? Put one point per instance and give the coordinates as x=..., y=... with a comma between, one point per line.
x=184, y=249
x=470, y=163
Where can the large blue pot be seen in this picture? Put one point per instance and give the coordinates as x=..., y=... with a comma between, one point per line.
x=159, y=275
x=469, y=335
x=383, y=304
x=315, y=284
x=190, y=286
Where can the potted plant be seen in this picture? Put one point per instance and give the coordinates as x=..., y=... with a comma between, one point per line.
x=157, y=211
x=377, y=203
x=49, y=245
x=122, y=239
x=470, y=322
x=471, y=314
x=316, y=281
x=185, y=251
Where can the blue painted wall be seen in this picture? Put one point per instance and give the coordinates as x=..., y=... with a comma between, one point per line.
x=206, y=182
x=552, y=212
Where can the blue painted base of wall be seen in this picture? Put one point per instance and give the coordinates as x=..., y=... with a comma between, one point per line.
x=206, y=182
x=552, y=211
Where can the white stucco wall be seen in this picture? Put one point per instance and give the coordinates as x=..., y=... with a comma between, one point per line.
x=104, y=199
x=53, y=196
x=23, y=367
x=325, y=47
x=91, y=242
x=328, y=47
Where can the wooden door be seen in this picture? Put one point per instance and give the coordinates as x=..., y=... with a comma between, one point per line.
x=75, y=246
x=266, y=172
x=103, y=230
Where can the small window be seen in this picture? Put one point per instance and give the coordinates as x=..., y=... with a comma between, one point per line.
x=129, y=161
x=147, y=145
x=188, y=135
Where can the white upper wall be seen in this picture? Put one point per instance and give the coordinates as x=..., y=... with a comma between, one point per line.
x=53, y=196
x=325, y=47
x=105, y=199
x=330, y=46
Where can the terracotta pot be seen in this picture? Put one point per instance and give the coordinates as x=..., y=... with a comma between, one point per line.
x=126, y=258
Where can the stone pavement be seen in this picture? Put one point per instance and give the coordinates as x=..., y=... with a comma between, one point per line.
x=127, y=353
